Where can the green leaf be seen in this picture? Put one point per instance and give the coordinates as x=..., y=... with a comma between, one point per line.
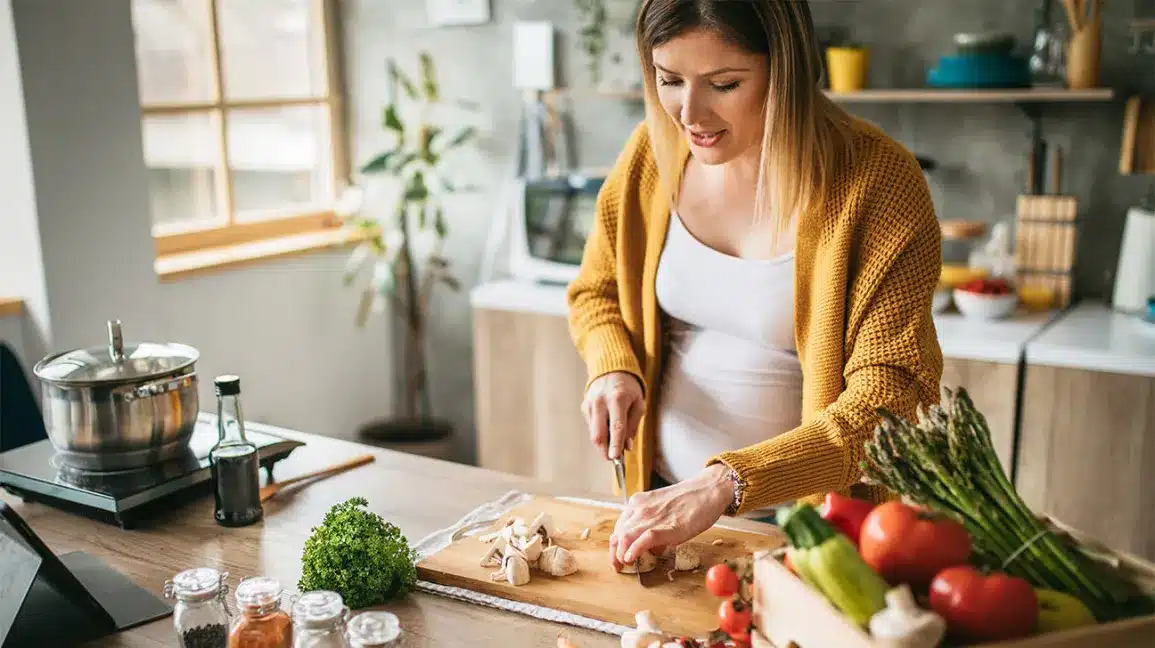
x=461, y=137
x=422, y=213
x=416, y=189
x=439, y=223
x=399, y=78
x=391, y=120
x=379, y=163
x=404, y=161
x=428, y=77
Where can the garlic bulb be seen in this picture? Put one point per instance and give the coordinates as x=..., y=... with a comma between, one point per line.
x=556, y=560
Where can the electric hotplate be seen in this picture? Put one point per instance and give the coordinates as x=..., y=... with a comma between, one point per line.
x=127, y=497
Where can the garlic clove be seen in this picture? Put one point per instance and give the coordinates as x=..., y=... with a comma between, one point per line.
x=585, y=534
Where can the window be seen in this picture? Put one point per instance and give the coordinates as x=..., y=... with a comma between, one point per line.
x=242, y=125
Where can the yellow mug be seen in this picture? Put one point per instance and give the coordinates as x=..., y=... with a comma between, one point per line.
x=846, y=68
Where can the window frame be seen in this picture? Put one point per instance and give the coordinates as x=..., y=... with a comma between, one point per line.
x=180, y=238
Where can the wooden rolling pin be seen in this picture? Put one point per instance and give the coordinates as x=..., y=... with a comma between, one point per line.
x=274, y=488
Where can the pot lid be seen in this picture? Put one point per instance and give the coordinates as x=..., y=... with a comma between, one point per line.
x=115, y=362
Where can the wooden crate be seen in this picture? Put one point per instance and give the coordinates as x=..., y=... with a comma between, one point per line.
x=790, y=614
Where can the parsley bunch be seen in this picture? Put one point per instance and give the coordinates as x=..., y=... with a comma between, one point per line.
x=359, y=555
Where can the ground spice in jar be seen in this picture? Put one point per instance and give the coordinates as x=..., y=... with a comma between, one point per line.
x=207, y=636
x=263, y=624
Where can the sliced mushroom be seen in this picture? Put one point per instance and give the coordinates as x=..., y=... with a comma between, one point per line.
x=556, y=560
x=686, y=558
x=516, y=569
x=641, y=639
x=646, y=562
x=531, y=548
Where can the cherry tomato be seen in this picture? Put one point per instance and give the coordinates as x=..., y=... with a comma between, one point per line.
x=734, y=618
x=721, y=580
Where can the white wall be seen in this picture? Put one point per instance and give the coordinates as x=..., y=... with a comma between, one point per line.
x=286, y=327
x=21, y=270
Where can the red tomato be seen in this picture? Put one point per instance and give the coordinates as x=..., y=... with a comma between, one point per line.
x=980, y=608
x=721, y=580
x=734, y=618
x=846, y=514
x=906, y=544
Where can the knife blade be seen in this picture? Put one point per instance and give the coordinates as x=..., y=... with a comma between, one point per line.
x=620, y=475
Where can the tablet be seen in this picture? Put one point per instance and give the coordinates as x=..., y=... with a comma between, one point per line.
x=60, y=601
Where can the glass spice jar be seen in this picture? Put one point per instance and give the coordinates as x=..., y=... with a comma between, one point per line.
x=200, y=616
x=319, y=620
x=374, y=629
x=262, y=622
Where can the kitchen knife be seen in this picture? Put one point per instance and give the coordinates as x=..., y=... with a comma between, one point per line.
x=620, y=476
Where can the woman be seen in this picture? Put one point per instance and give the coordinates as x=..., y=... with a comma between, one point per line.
x=758, y=280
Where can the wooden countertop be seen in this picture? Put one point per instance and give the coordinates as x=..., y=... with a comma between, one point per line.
x=418, y=494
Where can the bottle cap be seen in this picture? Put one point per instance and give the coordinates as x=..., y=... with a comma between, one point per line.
x=227, y=385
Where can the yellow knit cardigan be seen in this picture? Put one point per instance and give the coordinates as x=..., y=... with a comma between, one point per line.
x=866, y=269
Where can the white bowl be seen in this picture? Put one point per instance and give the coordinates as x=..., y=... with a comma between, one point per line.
x=941, y=301
x=987, y=307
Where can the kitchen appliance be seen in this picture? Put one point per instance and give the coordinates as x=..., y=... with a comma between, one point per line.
x=38, y=472
x=117, y=407
x=549, y=220
x=1135, y=274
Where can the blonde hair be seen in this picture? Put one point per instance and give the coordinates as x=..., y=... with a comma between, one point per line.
x=806, y=135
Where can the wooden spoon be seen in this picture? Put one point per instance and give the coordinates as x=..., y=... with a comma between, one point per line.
x=272, y=489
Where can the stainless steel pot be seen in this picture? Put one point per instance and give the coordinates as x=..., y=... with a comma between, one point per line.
x=117, y=407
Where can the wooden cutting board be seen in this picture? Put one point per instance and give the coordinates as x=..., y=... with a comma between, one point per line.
x=681, y=606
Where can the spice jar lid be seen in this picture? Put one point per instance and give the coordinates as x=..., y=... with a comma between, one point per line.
x=318, y=607
x=258, y=592
x=374, y=628
x=198, y=582
x=115, y=362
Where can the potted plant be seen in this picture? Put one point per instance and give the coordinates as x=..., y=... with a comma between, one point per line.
x=400, y=261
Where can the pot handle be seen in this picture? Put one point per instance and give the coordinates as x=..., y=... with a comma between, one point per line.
x=158, y=387
x=115, y=341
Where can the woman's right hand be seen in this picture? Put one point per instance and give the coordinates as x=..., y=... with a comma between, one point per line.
x=613, y=407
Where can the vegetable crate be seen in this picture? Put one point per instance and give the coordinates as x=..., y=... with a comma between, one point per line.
x=788, y=613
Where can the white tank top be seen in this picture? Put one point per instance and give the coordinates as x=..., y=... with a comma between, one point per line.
x=733, y=377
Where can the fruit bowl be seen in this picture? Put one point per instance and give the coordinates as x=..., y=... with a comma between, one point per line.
x=987, y=299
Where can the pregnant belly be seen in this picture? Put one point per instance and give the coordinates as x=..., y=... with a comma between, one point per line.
x=720, y=394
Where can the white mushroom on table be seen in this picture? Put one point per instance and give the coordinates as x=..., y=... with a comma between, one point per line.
x=519, y=545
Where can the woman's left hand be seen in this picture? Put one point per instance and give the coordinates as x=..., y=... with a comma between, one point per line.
x=669, y=516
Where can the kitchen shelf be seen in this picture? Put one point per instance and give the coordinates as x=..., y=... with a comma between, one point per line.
x=919, y=95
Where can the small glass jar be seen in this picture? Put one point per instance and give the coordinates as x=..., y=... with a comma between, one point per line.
x=374, y=629
x=200, y=617
x=262, y=622
x=319, y=620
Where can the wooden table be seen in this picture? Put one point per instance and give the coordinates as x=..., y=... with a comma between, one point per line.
x=418, y=494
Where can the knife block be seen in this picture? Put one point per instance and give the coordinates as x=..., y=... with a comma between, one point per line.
x=1046, y=237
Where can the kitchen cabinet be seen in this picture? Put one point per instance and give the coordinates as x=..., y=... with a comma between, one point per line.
x=1087, y=442
x=529, y=383
x=994, y=387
